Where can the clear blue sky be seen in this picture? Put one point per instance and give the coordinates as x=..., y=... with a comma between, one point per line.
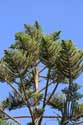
x=53, y=15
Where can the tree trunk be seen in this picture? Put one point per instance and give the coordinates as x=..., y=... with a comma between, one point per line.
x=36, y=120
x=36, y=86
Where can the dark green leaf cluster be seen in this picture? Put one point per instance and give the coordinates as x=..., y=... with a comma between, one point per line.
x=75, y=94
x=49, y=51
x=12, y=102
x=57, y=101
x=70, y=60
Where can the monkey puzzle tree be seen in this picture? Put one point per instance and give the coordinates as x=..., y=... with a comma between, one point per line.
x=33, y=64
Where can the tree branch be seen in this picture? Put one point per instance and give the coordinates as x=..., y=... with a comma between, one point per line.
x=52, y=93
x=75, y=117
x=42, y=69
x=21, y=97
x=18, y=117
x=9, y=117
x=26, y=100
x=45, y=86
x=44, y=77
x=46, y=89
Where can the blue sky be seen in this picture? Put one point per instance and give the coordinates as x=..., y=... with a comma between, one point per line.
x=53, y=15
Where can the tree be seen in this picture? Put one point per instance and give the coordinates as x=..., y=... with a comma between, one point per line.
x=36, y=59
x=70, y=63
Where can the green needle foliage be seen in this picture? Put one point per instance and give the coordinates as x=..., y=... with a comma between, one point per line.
x=71, y=60
x=74, y=111
x=31, y=65
x=70, y=63
x=7, y=123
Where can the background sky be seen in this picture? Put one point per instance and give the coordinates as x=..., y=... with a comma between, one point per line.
x=53, y=15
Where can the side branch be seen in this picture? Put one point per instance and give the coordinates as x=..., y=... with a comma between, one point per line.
x=9, y=117
x=25, y=101
x=45, y=86
x=18, y=117
x=52, y=93
x=46, y=89
x=42, y=70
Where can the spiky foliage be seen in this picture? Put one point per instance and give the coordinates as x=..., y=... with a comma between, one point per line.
x=70, y=66
x=50, y=47
x=71, y=60
x=21, y=69
x=57, y=102
x=20, y=66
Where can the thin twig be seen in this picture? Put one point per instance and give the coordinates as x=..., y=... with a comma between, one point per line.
x=9, y=117
x=52, y=93
x=44, y=77
x=14, y=88
x=52, y=82
x=46, y=89
x=42, y=69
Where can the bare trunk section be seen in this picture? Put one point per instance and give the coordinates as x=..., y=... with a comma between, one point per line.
x=36, y=86
x=35, y=95
x=36, y=79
